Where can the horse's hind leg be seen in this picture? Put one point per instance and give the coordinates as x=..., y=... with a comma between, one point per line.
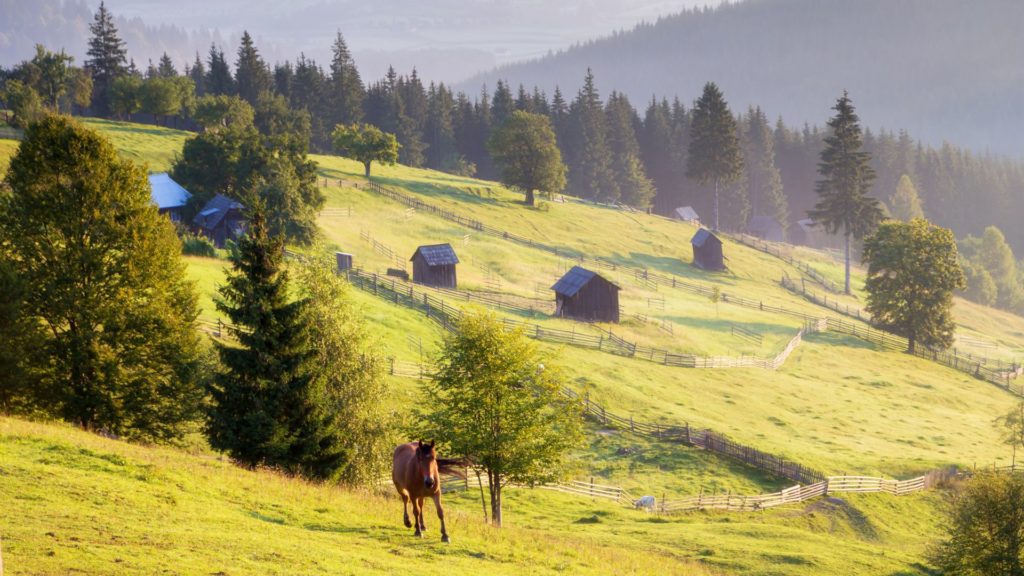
x=417, y=512
x=419, y=504
x=440, y=516
x=405, y=511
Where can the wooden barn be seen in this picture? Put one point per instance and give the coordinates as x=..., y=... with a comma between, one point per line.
x=221, y=219
x=584, y=295
x=434, y=265
x=707, y=250
x=170, y=198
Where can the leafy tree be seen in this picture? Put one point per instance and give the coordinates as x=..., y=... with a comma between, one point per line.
x=107, y=58
x=714, y=155
x=122, y=353
x=845, y=182
x=24, y=102
x=221, y=111
x=252, y=77
x=906, y=204
x=525, y=151
x=54, y=75
x=79, y=92
x=996, y=256
x=984, y=528
x=125, y=96
x=366, y=143
x=163, y=96
x=500, y=403
x=913, y=269
x=349, y=370
x=1011, y=428
x=272, y=406
x=22, y=337
x=634, y=186
x=980, y=286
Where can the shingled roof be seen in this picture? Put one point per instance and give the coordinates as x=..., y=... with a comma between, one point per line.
x=701, y=237
x=573, y=280
x=215, y=210
x=437, y=254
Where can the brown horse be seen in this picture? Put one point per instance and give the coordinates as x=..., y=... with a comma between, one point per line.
x=416, y=476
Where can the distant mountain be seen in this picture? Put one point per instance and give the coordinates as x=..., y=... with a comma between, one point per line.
x=942, y=69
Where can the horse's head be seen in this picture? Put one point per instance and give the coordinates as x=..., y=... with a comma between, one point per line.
x=425, y=458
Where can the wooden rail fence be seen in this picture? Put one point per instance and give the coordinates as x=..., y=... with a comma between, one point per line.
x=774, y=250
x=975, y=366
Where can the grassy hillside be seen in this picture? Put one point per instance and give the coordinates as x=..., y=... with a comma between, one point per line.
x=78, y=503
x=838, y=404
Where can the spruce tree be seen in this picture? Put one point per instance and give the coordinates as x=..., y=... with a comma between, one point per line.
x=346, y=92
x=503, y=103
x=218, y=76
x=252, y=77
x=166, y=69
x=198, y=75
x=439, y=131
x=905, y=203
x=656, y=145
x=846, y=178
x=714, y=151
x=630, y=175
x=590, y=166
x=764, y=181
x=267, y=408
x=107, y=58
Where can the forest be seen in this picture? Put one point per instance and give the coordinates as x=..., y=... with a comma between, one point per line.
x=616, y=150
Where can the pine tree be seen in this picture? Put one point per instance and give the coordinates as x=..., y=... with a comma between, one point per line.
x=503, y=104
x=439, y=130
x=905, y=203
x=590, y=167
x=714, y=150
x=846, y=178
x=218, y=78
x=268, y=408
x=198, y=75
x=252, y=77
x=166, y=69
x=107, y=58
x=764, y=181
x=346, y=92
x=630, y=175
x=656, y=145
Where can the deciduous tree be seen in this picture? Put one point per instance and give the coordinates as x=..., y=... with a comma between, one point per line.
x=525, y=151
x=366, y=143
x=499, y=403
x=913, y=269
x=107, y=281
x=984, y=528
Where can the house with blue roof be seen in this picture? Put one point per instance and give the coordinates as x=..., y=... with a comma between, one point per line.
x=169, y=196
x=585, y=295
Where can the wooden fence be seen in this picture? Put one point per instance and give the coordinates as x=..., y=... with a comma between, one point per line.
x=775, y=250
x=822, y=299
x=1001, y=375
x=383, y=250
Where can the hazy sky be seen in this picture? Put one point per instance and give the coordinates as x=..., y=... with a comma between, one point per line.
x=446, y=39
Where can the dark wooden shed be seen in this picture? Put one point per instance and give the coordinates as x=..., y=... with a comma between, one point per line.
x=707, y=250
x=434, y=265
x=221, y=219
x=585, y=295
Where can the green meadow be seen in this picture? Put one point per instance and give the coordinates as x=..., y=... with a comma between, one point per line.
x=838, y=404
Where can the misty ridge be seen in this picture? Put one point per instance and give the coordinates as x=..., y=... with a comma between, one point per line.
x=945, y=70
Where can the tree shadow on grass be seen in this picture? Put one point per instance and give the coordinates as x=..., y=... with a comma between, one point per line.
x=435, y=190
x=840, y=340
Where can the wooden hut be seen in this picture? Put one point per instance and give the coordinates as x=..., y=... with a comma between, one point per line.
x=170, y=198
x=344, y=261
x=221, y=219
x=687, y=214
x=766, y=228
x=707, y=250
x=584, y=295
x=434, y=265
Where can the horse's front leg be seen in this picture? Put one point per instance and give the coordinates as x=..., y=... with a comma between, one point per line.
x=419, y=503
x=417, y=512
x=405, y=511
x=440, y=516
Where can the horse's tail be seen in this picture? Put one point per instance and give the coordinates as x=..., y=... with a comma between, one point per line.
x=453, y=466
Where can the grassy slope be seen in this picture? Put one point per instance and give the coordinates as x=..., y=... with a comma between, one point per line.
x=837, y=404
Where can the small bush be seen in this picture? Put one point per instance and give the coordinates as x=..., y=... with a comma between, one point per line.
x=193, y=245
